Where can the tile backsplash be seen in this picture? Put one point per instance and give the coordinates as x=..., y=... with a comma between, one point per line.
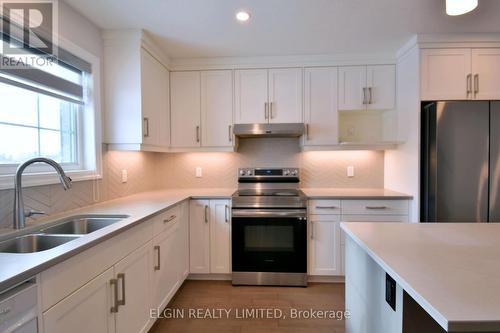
x=150, y=171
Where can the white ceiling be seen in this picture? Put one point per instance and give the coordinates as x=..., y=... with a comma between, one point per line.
x=207, y=28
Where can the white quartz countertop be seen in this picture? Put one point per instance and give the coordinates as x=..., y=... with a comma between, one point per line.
x=354, y=193
x=452, y=270
x=15, y=268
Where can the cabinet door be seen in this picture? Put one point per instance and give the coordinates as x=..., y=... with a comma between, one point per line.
x=220, y=236
x=217, y=108
x=250, y=91
x=86, y=310
x=325, y=249
x=155, y=101
x=381, y=83
x=199, y=236
x=133, y=274
x=165, y=274
x=185, y=109
x=352, y=88
x=285, y=95
x=445, y=74
x=486, y=73
x=321, y=115
x=183, y=245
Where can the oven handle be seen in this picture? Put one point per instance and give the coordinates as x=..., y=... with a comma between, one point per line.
x=269, y=213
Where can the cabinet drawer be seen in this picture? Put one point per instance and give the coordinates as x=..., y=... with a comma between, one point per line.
x=375, y=207
x=324, y=207
x=166, y=219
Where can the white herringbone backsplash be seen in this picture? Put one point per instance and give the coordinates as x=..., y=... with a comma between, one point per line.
x=150, y=171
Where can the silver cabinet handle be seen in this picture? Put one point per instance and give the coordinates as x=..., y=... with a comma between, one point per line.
x=206, y=214
x=271, y=110
x=157, y=249
x=469, y=84
x=307, y=133
x=266, y=112
x=370, y=96
x=146, y=127
x=121, y=276
x=326, y=207
x=376, y=207
x=171, y=218
x=476, y=84
x=230, y=134
x=312, y=230
x=364, y=96
x=197, y=133
x=226, y=213
x=114, y=286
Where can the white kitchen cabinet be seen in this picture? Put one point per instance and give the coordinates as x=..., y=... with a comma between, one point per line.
x=166, y=264
x=486, y=74
x=217, y=108
x=325, y=256
x=320, y=107
x=136, y=101
x=367, y=87
x=352, y=88
x=268, y=96
x=251, y=96
x=381, y=84
x=209, y=236
x=199, y=236
x=220, y=236
x=285, y=95
x=185, y=102
x=88, y=309
x=132, y=275
x=445, y=74
x=183, y=241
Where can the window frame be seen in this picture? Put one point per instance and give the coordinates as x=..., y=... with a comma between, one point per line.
x=89, y=136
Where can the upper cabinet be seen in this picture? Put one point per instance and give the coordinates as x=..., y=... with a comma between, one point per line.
x=202, y=109
x=367, y=87
x=268, y=96
x=136, y=103
x=320, y=107
x=460, y=74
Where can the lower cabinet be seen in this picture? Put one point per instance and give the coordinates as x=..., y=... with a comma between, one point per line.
x=86, y=310
x=210, y=236
x=324, y=242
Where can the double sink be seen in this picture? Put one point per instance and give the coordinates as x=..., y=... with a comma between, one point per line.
x=58, y=233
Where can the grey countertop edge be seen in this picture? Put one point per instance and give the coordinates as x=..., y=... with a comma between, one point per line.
x=447, y=324
x=360, y=197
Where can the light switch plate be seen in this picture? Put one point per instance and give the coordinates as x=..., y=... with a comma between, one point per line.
x=199, y=172
x=350, y=171
x=124, y=176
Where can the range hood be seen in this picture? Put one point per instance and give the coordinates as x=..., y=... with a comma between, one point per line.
x=285, y=130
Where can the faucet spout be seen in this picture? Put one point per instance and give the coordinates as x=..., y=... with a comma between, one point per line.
x=19, y=220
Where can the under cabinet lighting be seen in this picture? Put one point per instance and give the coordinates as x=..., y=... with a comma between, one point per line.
x=459, y=7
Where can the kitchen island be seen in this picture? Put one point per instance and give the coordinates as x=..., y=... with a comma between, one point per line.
x=444, y=277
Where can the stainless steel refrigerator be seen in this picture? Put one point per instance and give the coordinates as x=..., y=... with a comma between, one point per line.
x=460, y=161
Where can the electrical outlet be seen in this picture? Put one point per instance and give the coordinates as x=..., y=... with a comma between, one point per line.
x=199, y=172
x=350, y=171
x=124, y=176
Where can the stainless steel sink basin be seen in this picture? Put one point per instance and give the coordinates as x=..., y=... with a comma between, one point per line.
x=34, y=243
x=82, y=225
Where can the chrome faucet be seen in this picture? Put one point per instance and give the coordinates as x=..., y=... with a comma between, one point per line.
x=20, y=214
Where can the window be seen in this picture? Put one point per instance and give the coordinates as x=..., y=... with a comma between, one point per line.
x=49, y=111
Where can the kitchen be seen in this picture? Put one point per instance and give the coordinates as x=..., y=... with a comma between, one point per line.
x=187, y=166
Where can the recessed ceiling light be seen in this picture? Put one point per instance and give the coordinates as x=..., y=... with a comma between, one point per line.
x=242, y=16
x=459, y=7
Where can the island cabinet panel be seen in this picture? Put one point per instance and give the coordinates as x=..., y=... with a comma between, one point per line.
x=365, y=295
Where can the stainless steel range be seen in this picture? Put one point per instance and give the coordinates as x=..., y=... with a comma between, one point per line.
x=269, y=228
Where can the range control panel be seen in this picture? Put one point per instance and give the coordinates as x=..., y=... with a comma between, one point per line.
x=268, y=172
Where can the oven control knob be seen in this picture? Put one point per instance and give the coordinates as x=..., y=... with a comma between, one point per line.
x=249, y=172
x=286, y=172
x=294, y=172
x=242, y=172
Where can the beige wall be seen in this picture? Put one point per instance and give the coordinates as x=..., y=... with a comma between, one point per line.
x=319, y=169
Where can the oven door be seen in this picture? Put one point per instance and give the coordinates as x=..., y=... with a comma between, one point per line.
x=269, y=240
